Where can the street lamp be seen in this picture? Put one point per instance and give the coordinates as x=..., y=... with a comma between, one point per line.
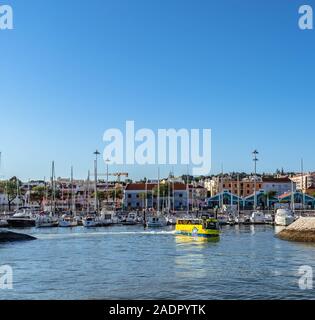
x=97, y=153
x=107, y=161
x=255, y=159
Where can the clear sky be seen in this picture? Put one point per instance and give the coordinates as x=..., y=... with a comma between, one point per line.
x=72, y=69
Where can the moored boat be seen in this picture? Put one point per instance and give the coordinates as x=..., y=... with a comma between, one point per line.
x=46, y=221
x=284, y=217
x=156, y=221
x=91, y=221
x=108, y=218
x=23, y=218
x=131, y=219
x=204, y=227
x=257, y=217
x=3, y=223
x=68, y=221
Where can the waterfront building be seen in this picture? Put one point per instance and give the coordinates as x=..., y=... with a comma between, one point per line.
x=243, y=188
x=277, y=185
x=263, y=200
x=300, y=200
x=135, y=195
x=304, y=181
x=225, y=198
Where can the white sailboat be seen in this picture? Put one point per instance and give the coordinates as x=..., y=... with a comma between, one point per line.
x=69, y=220
x=157, y=220
x=48, y=220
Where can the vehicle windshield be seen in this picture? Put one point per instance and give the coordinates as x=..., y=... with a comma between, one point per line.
x=211, y=225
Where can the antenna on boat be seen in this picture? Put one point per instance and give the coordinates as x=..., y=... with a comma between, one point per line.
x=187, y=190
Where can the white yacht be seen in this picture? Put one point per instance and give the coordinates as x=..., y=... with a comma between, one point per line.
x=3, y=223
x=284, y=217
x=268, y=218
x=68, y=221
x=23, y=218
x=131, y=219
x=108, y=217
x=257, y=217
x=156, y=221
x=46, y=221
x=91, y=221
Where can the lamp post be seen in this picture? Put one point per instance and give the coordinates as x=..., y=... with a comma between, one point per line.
x=255, y=159
x=107, y=189
x=97, y=153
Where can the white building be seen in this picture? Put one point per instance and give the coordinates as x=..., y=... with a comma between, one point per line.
x=278, y=185
x=304, y=181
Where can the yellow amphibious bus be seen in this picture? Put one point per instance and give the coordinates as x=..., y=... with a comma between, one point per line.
x=202, y=227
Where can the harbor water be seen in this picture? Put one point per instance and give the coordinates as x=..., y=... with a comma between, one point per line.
x=130, y=262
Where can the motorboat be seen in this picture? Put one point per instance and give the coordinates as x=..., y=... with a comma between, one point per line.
x=222, y=219
x=91, y=221
x=231, y=220
x=23, y=218
x=68, y=221
x=268, y=218
x=108, y=218
x=284, y=217
x=156, y=221
x=131, y=219
x=46, y=221
x=257, y=217
x=3, y=223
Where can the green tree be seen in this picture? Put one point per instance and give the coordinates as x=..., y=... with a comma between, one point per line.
x=38, y=194
x=11, y=188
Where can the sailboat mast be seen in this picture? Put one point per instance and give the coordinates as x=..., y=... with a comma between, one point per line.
x=88, y=193
x=53, y=189
x=158, y=195
x=303, y=182
x=292, y=197
x=187, y=191
x=72, y=192
x=146, y=195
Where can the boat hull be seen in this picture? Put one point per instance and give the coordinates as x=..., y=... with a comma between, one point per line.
x=21, y=223
x=65, y=224
x=196, y=230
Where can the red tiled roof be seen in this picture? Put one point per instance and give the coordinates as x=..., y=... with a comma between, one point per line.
x=285, y=195
x=150, y=186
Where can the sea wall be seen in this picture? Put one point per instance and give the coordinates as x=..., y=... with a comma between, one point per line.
x=302, y=230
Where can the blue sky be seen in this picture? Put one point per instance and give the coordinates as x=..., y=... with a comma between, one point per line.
x=72, y=69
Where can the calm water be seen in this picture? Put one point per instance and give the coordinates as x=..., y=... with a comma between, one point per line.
x=127, y=262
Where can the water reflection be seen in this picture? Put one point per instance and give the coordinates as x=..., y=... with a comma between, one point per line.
x=191, y=256
x=181, y=239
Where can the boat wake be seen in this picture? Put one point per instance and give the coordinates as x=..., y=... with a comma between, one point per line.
x=101, y=234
